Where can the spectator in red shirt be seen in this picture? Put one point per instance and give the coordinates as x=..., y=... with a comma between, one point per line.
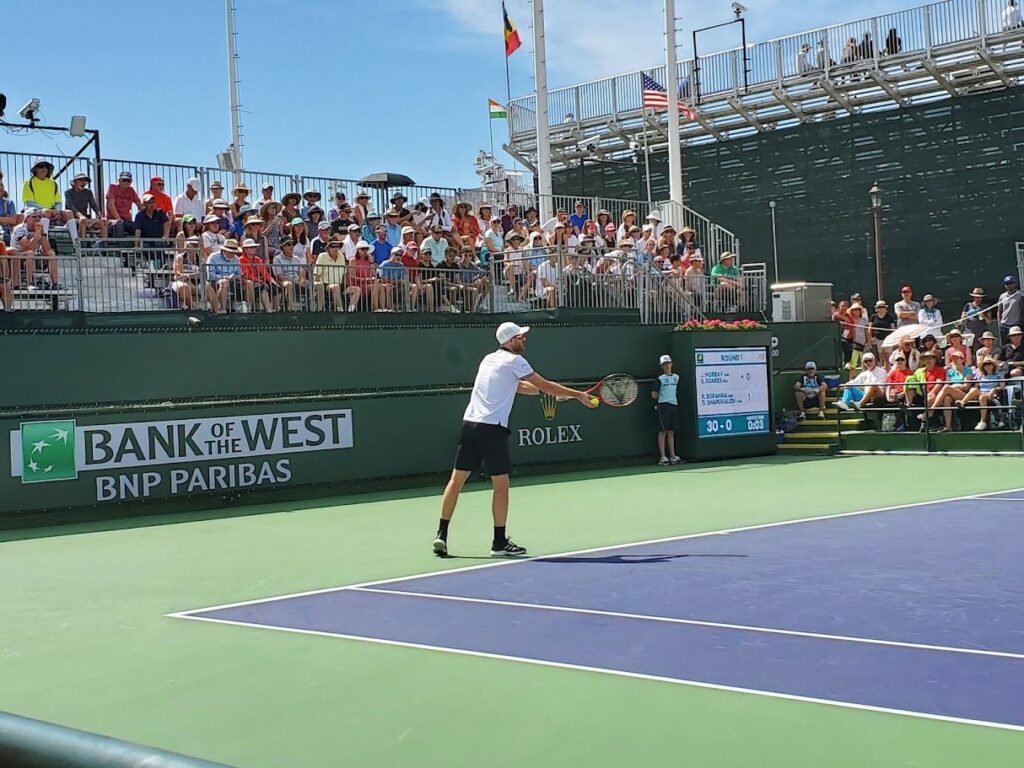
x=162, y=199
x=120, y=198
x=258, y=279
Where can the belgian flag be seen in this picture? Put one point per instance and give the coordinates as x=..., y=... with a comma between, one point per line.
x=512, y=41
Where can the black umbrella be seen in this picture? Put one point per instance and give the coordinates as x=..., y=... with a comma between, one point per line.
x=382, y=182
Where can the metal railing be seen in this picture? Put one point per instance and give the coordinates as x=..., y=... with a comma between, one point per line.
x=877, y=42
x=114, y=276
x=939, y=407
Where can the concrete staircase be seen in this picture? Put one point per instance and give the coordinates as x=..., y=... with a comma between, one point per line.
x=820, y=436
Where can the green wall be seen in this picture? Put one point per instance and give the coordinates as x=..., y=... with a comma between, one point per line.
x=405, y=389
x=951, y=174
x=86, y=368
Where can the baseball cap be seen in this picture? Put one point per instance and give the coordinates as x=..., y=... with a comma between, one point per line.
x=508, y=331
x=148, y=198
x=155, y=179
x=125, y=175
x=810, y=364
x=194, y=183
x=928, y=297
x=906, y=289
x=324, y=225
x=867, y=356
x=397, y=250
x=1008, y=280
x=664, y=359
x=353, y=227
x=297, y=220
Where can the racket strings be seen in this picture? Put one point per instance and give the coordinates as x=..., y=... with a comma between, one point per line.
x=619, y=390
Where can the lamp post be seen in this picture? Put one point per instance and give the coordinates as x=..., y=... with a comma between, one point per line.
x=875, y=193
x=775, y=242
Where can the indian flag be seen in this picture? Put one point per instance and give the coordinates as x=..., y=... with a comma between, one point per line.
x=497, y=110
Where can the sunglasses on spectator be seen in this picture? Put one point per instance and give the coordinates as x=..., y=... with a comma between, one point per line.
x=334, y=245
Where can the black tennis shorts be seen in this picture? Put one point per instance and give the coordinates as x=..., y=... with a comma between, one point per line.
x=667, y=417
x=486, y=444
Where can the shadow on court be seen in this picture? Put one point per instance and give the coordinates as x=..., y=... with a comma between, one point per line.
x=39, y=525
x=625, y=559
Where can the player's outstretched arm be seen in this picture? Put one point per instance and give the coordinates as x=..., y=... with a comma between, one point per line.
x=526, y=388
x=553, y=388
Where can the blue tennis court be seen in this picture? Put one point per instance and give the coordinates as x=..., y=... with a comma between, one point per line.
x=914, y=609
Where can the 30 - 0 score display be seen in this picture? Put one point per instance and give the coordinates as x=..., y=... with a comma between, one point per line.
x=732, y=391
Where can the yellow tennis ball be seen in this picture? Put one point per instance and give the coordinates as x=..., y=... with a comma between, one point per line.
x=594, y=400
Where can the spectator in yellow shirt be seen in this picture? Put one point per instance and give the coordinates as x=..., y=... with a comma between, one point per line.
x=40, y=191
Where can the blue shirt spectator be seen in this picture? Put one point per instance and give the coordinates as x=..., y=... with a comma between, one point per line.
x=219, y=266
x=391, y=269
x=381, y=250
x=394, y=233
x=7, y=209
x=579, y=218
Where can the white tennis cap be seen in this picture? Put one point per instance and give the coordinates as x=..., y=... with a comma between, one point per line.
x=508, y=331
x=664, y=359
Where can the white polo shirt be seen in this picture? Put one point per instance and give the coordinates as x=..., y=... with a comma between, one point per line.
x=195, y=206
x=494, y=390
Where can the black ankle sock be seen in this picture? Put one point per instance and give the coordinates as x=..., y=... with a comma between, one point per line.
x=499, y=535
x=442, y=528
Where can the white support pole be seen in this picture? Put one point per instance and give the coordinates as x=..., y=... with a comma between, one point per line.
x=540, y=73
x=675, y=152
x=236, y=130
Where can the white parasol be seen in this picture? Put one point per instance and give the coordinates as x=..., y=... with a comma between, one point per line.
x=913, y=332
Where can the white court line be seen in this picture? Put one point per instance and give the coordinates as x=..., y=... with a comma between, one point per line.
x=508, y=562
x=691, y=622
x=619, y=673
x=997, y=498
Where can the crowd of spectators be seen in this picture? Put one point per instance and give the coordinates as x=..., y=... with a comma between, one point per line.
x=348, y=257
x=911, y=360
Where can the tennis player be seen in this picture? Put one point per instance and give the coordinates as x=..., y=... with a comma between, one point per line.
x=484, y=438
x=664, y=394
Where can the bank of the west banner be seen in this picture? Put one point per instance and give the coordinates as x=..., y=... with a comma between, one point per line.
x=158, y=458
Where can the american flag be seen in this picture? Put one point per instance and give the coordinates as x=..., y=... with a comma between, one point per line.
x=656, y=97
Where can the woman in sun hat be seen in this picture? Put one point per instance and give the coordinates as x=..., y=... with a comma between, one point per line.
x=361, y=209
x=976, y=317
x=955, y=340
x=628, y=222
x=362, y=274
x=275, y=222
x=212, y=237
x=959, y=381
x=465, y=225
x=241, y=194
x=858, y=333
x=290, y=206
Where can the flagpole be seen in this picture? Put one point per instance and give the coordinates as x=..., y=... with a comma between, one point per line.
x=647, y=160
x=675, y=153
x=540, y=69
x=490, y=130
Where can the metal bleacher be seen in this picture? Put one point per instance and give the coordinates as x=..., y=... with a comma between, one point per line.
x=946, y=49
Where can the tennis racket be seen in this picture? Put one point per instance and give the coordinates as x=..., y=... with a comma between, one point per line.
x=617, y=390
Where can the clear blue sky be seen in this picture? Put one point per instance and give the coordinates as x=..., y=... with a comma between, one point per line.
x=337, y=87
